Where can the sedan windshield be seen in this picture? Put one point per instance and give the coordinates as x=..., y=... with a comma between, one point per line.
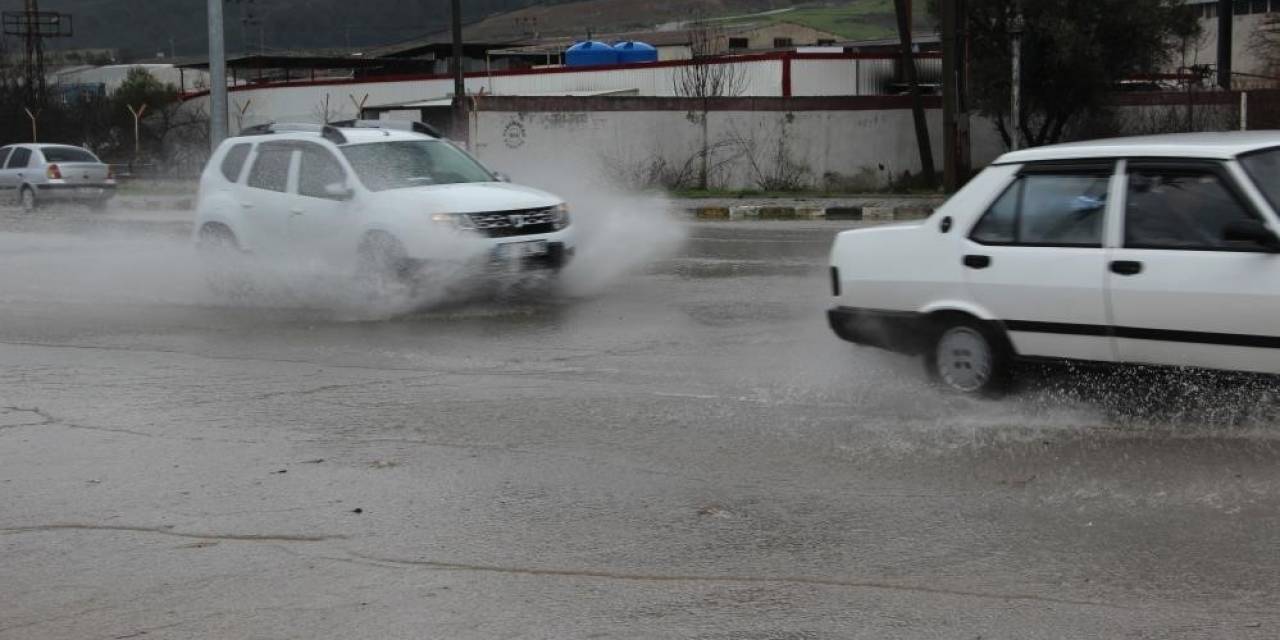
x=66, y=154
x=412, y=163
x=1264, y=168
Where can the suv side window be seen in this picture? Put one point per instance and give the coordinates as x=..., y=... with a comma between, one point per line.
x=233, y=162
x=1058, y=208
x=21, y=156
x=1183, y=207
x=271, y=168
x=318, y=170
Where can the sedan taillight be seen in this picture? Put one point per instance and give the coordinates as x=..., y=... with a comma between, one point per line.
x=53, y=172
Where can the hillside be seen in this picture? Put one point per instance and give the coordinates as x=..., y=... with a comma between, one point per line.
x=142, y=29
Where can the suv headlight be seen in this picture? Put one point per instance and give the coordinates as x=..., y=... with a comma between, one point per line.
x=560, y=216
x=459, y=221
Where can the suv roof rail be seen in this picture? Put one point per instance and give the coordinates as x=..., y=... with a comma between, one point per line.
x=280, y=127
x=394, y=125
x=328, y=132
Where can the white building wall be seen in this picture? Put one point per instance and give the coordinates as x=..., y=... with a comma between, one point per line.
x=862, y=149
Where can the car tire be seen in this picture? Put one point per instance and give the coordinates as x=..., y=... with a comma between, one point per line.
x=27, y=199
x=968, y=356
x=382, y=264
x=223, y=262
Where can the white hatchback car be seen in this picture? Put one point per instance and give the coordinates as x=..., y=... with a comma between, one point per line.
x=390, y=199
x=1158, y=250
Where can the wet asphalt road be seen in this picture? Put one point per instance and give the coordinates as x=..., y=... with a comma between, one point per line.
x=684, y=453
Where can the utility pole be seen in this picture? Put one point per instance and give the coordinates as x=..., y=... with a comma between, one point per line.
x=1015, y=82
x=217, y=77
x=903, y=9
x=461, y=121
x=33, y=26
x=1226, y=16
x=955, y=111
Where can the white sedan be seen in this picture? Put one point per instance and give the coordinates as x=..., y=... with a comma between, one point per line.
x=1157, y=250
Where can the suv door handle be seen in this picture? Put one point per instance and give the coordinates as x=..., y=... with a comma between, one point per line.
x=1126, y=267
x=974, y=261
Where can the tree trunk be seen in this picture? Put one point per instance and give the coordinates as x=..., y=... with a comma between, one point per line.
x=917, y=104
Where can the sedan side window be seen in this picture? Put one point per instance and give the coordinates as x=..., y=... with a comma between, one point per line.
x=1184, y=208
x=4, y=155
x=271, y=168
x=21, y=156
x=1047, y=209
x=319, y=169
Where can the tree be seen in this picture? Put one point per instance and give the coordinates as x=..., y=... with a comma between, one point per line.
x=705, y=78
x=1074, y=52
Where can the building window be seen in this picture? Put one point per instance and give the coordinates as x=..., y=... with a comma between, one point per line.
x=779, y=43
x=738, y=43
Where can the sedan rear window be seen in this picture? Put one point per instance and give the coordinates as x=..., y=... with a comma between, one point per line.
x=67, y=154
x=1263, y=168
x=412, y=163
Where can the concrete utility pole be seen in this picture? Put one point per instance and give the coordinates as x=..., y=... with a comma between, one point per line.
x=217, y=77
x=1226, y=14
x=137, y=128
x=903, y=9
x=460, y=117
x=955, y=110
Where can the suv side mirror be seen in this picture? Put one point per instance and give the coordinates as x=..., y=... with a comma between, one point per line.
x=1251, y=231
x=501, y=177
x=339, y=191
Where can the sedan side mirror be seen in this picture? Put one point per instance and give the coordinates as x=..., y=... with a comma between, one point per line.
x=339, y=191
x=1251, y=231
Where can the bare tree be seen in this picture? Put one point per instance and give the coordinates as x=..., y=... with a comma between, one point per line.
x=1265, y=44
x=705, y=77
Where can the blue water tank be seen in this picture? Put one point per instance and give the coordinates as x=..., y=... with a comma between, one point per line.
x=631, y=52
x=590, y=53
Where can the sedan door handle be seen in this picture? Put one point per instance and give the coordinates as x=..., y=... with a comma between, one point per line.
x=1126, y=267
x=246, y=205
x=974, y=261
x=296, y=212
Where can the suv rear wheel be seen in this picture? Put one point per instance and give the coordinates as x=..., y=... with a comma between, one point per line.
x=221, y=255
x=969, y=356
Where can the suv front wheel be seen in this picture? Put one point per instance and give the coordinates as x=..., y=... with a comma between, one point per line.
x=968, y=356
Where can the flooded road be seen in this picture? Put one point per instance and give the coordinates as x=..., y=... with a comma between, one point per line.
x=684, y=451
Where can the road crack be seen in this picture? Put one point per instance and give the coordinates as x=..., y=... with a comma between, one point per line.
x=879, y=585
x=167, y=531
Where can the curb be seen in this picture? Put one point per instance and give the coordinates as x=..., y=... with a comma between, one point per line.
x=770, y=212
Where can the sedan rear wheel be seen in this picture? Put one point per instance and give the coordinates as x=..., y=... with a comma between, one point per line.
x=27, y=198
x=969, y=357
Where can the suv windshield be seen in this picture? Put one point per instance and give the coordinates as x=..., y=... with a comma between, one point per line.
x=412, y=163
x=1264, y=168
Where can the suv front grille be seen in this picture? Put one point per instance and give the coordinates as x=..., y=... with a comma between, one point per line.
x=504, y=224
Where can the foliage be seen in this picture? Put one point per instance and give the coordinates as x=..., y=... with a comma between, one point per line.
x=1073, y=54
x=171, y=134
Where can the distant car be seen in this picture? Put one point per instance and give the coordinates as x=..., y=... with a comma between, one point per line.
x=1157, y=250
x=37, y=174
x=391, y=199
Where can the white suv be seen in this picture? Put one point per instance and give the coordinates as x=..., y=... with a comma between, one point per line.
x=390, y=199
x=1159, y=250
